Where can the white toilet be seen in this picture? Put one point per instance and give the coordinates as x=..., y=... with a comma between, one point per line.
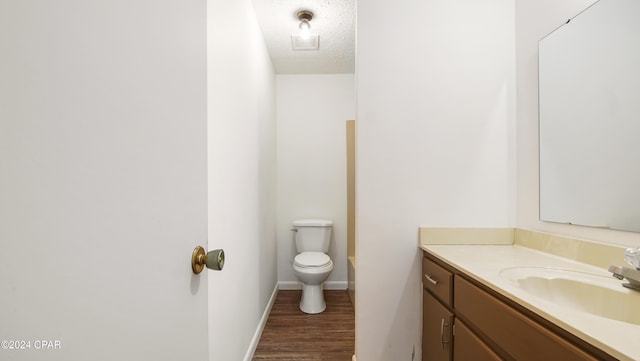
x=312, y=265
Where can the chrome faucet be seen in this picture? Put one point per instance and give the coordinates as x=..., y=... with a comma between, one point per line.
x=632, y=257
x=632, y=275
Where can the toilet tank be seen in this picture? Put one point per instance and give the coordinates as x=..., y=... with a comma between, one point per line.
x=313, y=235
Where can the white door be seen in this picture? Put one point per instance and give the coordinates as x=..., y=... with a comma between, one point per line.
x=102, y=179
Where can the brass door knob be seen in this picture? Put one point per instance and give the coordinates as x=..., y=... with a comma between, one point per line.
x=213, y=260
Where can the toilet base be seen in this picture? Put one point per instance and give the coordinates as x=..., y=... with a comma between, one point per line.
x=312, y=300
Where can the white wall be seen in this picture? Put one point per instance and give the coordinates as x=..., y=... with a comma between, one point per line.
x=312, y=111
x=436, y=147
x=535, y=19
x=242, y=176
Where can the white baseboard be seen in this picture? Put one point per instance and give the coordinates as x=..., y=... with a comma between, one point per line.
x=263, y=321
x=329, y=285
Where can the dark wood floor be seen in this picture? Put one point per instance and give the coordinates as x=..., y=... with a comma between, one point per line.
x=292, y=335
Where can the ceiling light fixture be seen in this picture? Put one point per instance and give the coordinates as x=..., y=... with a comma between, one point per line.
x=305, y=17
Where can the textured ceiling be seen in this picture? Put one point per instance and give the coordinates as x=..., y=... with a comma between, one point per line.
x=333, y=21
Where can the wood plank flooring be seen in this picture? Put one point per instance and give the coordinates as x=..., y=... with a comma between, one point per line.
x=292, y=335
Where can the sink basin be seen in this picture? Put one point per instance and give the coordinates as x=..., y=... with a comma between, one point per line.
x=592, y=293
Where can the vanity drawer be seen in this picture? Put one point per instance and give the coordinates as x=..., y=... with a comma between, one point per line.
x=437, y=280
x=518, y=336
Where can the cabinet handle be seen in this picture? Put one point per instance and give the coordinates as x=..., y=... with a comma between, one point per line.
x=428, y=277
x=442, y=341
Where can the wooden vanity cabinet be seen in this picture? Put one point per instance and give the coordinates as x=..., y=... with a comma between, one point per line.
x=439, y=323
x=437, y=314
x=465, y=321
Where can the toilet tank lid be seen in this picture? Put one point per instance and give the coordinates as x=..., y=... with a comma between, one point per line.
x=313, y=222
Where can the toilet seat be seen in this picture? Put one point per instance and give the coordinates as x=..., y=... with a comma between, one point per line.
x=312, y=260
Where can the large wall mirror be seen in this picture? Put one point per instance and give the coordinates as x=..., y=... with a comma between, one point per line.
x=590, y=118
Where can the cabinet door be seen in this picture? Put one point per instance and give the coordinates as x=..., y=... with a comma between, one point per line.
x=436, y=330
x=468, y=347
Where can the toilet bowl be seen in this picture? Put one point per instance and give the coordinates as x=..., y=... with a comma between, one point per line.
x=312, y=265
x=312, y=269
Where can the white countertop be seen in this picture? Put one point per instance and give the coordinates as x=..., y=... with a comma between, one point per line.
x=484, y=263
